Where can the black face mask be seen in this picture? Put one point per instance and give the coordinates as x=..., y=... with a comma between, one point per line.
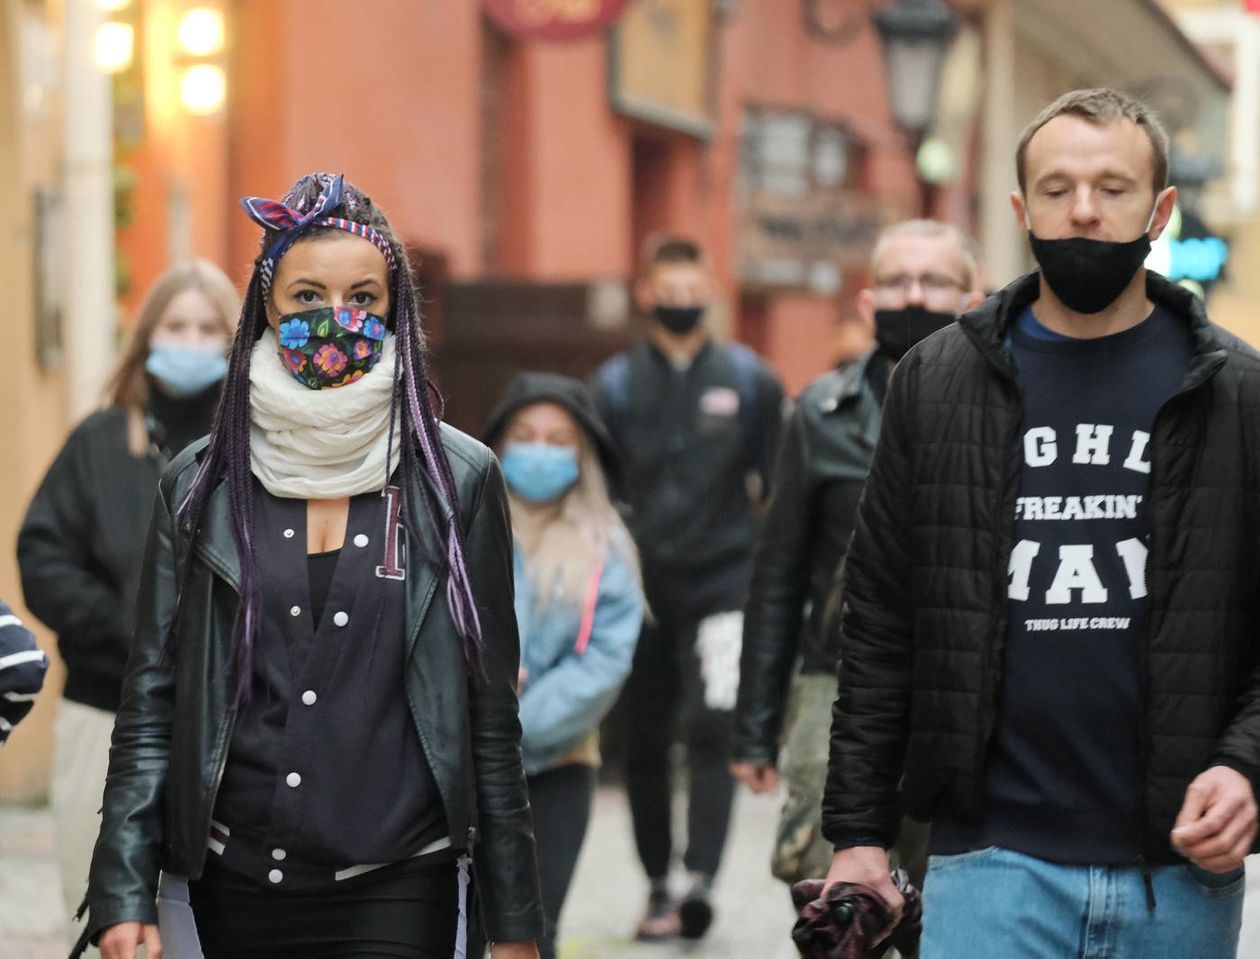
x=1089, y=275
x=679, y=320
x=898, y=330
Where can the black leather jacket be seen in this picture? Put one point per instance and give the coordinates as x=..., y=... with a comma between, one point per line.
x=825, y=455
x=175, y=723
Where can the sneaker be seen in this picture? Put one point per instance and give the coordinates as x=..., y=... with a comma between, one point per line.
x=695, y=912
x=661, y=920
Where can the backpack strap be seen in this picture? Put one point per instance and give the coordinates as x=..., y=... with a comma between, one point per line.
x=745, y=368
x=588, y=610
x=614, y=379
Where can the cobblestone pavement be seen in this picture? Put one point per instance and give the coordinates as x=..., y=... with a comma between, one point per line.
x=30, y=905
x=753, y=916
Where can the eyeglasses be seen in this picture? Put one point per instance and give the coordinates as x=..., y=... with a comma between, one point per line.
x=928, y=282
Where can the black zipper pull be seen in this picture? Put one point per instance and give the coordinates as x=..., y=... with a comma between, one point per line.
x=1147, y=883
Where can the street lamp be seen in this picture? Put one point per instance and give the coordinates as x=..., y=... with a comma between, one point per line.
x=915, y=35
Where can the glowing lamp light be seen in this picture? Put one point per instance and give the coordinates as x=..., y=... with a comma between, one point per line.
x=936, y=161
x=114, y=46
x=201, y=32
x=112, y=6
x=203, y=89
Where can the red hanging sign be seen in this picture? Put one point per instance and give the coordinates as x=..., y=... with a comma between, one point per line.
x=553, y=19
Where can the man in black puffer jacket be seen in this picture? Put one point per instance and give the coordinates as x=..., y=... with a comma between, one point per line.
x=1051, y=595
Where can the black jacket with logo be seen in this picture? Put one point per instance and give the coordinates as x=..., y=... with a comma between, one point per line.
x=823, y=461
x=926, y=581
x=179, y=705
x=690, y=440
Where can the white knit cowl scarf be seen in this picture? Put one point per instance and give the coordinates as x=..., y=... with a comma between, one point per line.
x=318, y=444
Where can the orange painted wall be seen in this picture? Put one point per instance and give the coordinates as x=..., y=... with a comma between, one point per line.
x=801, y=336
x=574, y=203
x=33, y=399
x=385, y=92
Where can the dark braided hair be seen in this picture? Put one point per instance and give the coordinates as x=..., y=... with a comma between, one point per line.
x=414, y=425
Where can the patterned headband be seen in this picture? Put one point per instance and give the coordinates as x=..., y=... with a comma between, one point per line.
x=289, y=225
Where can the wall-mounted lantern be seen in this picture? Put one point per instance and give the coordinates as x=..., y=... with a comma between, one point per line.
x=202, y=32
x=915, y=36
x=114, y=46
x=202, y=35
x=203, y=89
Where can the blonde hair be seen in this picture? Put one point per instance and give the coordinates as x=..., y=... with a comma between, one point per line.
x=129, y=386
x=968, y=253
x=565, y=550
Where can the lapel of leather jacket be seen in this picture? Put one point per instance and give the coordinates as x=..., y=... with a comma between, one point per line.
x=422, y=578
x=215, y=546
x=850, y=386
x=217, y=549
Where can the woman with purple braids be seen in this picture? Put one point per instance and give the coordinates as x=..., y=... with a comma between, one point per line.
x=318, y=749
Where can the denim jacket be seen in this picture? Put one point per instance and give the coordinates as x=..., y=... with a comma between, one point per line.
x=568, y=692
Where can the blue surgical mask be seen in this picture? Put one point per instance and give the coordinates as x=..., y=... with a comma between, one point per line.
x=539, y=472
x=184, y=371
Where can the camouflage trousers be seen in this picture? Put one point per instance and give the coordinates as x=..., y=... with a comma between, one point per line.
x=800, y=851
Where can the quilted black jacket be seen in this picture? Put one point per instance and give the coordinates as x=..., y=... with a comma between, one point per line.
x=925, y=595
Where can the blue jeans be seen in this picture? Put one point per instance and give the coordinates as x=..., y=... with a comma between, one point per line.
x=997, y=904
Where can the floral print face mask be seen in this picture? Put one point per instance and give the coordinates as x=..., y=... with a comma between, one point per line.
x=330, y=346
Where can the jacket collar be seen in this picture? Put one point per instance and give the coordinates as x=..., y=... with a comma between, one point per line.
x=849, y=382
x=216, y=547
x=988, y=325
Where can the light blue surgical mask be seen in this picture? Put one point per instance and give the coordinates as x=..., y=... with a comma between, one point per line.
x=540, y=472
x=184, y=371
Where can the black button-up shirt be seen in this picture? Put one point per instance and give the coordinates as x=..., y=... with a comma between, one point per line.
x=326, y=773
x=694, y=443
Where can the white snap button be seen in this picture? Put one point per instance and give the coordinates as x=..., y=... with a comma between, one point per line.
x=293, y=779
x=361, y=540
x=341, y=619
x=295, y=610
x=275, y=875
x=278, y=855
x=288, y=534
x=309, y=697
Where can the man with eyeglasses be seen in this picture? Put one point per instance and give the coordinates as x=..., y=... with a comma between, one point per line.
x=925, y=274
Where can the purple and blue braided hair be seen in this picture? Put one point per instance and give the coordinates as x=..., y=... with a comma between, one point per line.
x=414, y=418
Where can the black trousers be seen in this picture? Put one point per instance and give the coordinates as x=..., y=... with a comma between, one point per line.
x=403, y=911
x=663, y=696
x=561, y=801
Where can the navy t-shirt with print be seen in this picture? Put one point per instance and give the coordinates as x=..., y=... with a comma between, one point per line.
x=1062, y=776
